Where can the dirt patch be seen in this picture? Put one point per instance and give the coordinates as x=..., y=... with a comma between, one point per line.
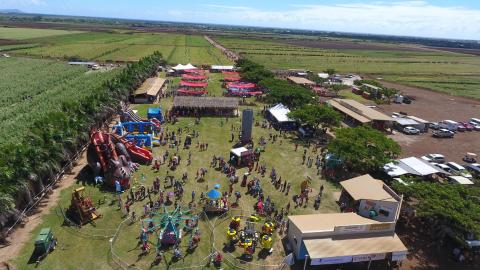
x=10, y=42
x=458, y=50
x=433, y=106
x=352, y=45
x=22, y=234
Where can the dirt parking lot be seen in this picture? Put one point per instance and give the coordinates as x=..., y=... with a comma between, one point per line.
x=433, y=106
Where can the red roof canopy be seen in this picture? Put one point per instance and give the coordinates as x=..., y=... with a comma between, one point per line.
x=232, y=79
x=231, y=73
x=194, y=71
x=193, y=84
x=194, y=77
x=184, y=91
x=241, y=85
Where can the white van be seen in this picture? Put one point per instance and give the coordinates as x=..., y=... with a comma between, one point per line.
x=459, y=170
x=449, y=124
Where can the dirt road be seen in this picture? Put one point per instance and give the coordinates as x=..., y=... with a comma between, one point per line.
x=22, y=234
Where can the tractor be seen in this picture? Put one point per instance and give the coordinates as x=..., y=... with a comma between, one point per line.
x=45, y=243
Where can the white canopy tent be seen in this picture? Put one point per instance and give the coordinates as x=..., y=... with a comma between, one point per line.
x=181, y=67
x=279, y=112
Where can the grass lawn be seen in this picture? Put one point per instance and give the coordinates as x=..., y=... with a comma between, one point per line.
x=130, y=46
x=453, y=73
x=29, y=33
x=88, y=247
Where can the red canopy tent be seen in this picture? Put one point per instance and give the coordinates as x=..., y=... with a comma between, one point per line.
x=194, y=77
x=230, y=73
x=186, y=92
x=241, y=85
x=193, y=84
x=194, y=71
x=232, y=79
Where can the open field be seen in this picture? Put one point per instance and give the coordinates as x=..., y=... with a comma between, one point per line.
x=93, y=242
x=448, y=72
x=29, y=33
x=124, y=46
x=49, y=84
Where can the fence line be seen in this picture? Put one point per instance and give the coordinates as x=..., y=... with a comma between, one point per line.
x=40, y=195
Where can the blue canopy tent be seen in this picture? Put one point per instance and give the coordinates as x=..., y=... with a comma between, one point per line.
x=214, y=194
x=155, y=113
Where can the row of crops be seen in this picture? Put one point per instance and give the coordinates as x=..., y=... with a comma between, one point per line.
x=47, y=109
x=131, y=46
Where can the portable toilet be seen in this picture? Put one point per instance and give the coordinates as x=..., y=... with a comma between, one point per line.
x=155, y=113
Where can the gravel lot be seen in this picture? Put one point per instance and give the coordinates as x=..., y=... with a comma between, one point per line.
x=433, y=106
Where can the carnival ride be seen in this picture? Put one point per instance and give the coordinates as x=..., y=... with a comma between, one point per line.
x=249, y=237
x=81, y=210
x=169, y=226
x=215, y=203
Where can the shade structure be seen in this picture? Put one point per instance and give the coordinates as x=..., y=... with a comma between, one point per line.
x=186, y=92
x=241, y=85
x=244, y=93
x=193, y=84
x=232, y=79
x=214, y=194
x=190, y=77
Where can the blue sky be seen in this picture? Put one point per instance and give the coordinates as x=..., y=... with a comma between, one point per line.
x=433, y=18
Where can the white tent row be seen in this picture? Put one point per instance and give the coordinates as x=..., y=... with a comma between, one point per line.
x=411, y=165
x=183, y=67
x=222, y=68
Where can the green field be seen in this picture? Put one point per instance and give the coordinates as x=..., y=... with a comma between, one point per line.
x=127, y=46
x=49, y=84
x=29, y=33
x=88, y=247
x=448, y=72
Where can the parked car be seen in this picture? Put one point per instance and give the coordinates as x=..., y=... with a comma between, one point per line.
x=449, y=124
x=434, y=125
x=459, y=170
x=474, y=169
x=461, y=127
x=411, y=131
x=468, y=126
x=407, y=100
x=443, y=133
x=443, y=167
x=437, y=158
x=476, y=127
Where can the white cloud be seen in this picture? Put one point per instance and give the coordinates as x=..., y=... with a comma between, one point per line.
x=20, y=3
x=417, y=18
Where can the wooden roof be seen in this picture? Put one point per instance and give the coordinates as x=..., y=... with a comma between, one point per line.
x=205, y=102
x=327, y=222
x=150, y=87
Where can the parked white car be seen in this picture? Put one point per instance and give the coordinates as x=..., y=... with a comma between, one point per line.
x=437, y=158
x=459, y=170
x=411, y=131
x=443, y=167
